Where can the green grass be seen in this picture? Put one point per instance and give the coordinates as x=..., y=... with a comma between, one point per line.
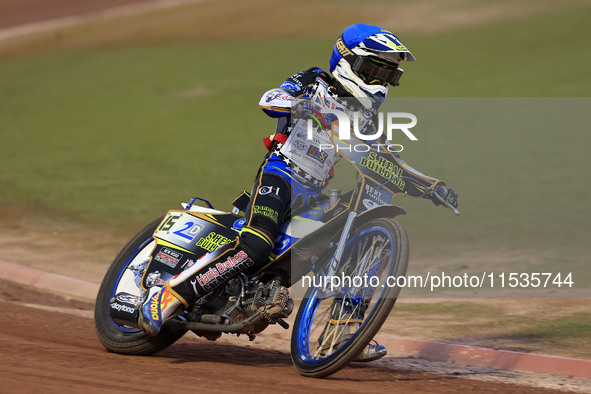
x=575, y=326
x=562, y=329
x=457, y=311
x=108, y=135
x=540, y=56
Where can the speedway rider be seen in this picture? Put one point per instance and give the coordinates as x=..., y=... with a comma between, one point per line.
x=364, y=62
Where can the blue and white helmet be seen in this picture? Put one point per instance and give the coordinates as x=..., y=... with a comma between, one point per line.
x=365, y=60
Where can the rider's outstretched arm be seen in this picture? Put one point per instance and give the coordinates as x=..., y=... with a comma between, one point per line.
x=434, y=185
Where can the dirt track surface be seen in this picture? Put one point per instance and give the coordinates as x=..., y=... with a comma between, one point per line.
x=17, y=12
x=49, y=345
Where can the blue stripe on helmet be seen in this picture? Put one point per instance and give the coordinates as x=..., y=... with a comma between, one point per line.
x=355, y=34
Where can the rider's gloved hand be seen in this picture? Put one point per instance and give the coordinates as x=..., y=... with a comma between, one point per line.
x=447, y=194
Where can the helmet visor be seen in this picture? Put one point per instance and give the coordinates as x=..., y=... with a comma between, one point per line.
x=375, y=71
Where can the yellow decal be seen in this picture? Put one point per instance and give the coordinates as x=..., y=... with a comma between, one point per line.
x=212, y=241
x=384, y=168
x=168, y=223
x=342, y=48
x=167, y=298
x=154, y=307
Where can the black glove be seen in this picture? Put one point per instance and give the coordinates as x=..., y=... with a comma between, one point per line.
x=447, y=194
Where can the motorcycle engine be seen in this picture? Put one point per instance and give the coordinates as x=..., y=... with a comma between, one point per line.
x=241, y=299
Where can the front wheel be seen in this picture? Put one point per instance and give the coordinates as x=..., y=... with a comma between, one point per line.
x=125, y=275
x=335, y=322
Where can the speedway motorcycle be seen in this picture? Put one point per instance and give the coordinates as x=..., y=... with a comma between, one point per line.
x=352, y=235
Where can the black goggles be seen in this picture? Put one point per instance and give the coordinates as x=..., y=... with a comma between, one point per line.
x=374, y=71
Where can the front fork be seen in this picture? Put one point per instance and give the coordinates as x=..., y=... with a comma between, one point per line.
x=334, y=263
x=342, y=242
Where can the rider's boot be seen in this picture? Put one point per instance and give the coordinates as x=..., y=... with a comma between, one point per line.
x=372, y=352
x=160, y=306
x=344, y=320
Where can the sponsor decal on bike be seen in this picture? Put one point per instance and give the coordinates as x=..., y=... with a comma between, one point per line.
x=128, y=298
x=154, y=279
x=169, y=222
x=188, y=264
x=207, y=277
x=159, y=302
x=212, y=241
x=188, y=231
x=154, y=311
x=270, y=96
x=369, y=204
x=122, y=308
x=216, y=276
x=239, y=224
x=384, y=168
x=375, y=194
x=231, y=262
x=195, y=289
x=166, y=298
x=168, y=257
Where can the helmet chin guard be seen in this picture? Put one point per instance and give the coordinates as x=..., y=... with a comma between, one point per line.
x=370, y=96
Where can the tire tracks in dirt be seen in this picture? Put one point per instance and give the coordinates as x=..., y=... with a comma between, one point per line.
x=93, y=11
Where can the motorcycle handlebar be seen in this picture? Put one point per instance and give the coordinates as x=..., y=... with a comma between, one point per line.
x=445, y=203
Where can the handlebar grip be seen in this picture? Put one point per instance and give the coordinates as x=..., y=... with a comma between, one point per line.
x=446, y=204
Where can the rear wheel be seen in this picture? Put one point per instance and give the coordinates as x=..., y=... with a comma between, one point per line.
x=334, y=324
x=125, y=275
